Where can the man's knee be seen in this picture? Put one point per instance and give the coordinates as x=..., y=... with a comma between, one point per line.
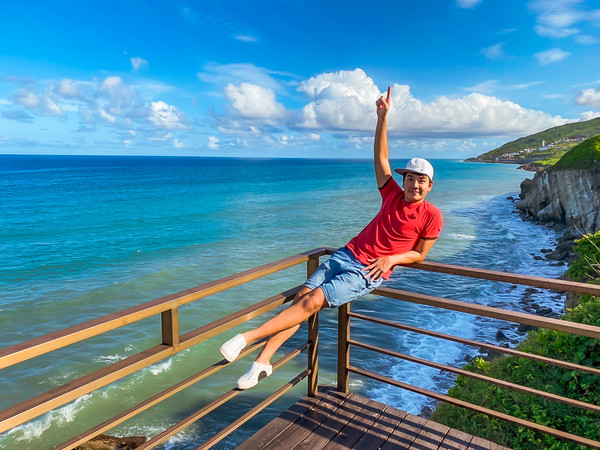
x=313, y=301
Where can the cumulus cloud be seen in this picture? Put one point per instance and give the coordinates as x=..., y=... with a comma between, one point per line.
x=254, y=102
x=467, y=3
x=43, y=103
x=167, y=116
x=137, y=63
x=588, y=97
x=589, y=115
x=340, y=100
x=346, y=101
x=213, y=142
x=551, y=56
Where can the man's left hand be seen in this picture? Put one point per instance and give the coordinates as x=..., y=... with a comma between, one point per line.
x=378, y=267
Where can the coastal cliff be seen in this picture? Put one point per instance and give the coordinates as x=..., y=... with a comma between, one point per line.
x=570, y=197
x=568, y=192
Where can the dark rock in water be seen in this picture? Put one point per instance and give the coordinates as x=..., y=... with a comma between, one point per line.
x=500, y=336
x=510, y=197
x=522, y=328
x=426, y=412
x=538, y=258
x=106, y=442
x=546, y=250
x=557, y=263
x=544, y=311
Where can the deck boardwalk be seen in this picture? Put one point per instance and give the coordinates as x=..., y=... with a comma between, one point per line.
x=341, y=421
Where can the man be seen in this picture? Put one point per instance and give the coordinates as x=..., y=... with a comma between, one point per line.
x=403, y=232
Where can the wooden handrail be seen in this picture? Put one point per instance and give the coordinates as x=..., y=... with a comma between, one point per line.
x=495, y=313
x=505, y=277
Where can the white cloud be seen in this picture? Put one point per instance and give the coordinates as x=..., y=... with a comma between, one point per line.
x=213, y=142
x=254, y=102
x=246, y=38
x=66, y=89
x=167, y=116
x=467, y=3
x=224, y=74
x=559, y=18
x=177, y=143
x=589, y=115
x=341, y=100
x=551, y=56
x=346, y=101
x=26, y=98
x=44, y=104
x=588, y=97
x=486, y=87
x=137, y=63
x=585, y=39
x=494, y=52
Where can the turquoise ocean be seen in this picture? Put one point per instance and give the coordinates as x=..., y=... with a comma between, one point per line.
x=82, y=237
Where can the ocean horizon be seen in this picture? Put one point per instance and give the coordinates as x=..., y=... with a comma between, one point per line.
x=86, y=236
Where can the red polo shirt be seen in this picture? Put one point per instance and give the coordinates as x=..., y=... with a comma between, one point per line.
x=397, y=227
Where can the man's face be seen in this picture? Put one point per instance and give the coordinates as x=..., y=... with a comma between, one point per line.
x=416, y=187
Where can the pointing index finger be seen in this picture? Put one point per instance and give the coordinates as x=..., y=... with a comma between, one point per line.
x=389, y=93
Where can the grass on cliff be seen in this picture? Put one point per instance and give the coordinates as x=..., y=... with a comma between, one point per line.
x=583, y=156
x=566, y=383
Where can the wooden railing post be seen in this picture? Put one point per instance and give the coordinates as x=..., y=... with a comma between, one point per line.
x=313, y=339
x=170, y=327
x=343, y=376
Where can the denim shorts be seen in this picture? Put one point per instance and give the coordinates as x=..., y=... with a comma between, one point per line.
x=342, y=278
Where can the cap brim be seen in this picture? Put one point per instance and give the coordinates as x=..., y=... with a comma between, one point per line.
x=403, y=171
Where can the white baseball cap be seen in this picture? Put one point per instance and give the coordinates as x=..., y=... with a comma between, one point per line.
x=418, y=165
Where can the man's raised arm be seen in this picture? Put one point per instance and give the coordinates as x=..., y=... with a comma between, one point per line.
x=383, y=171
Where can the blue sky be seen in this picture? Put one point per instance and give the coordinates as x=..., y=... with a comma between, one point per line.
x=292, y=78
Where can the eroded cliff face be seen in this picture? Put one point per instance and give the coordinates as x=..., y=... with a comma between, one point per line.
x=570, y=197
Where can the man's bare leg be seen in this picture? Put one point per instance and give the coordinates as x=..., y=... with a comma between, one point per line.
x=281, y=327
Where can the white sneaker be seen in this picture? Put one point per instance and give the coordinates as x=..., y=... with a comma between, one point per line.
x=256, y=373
x=232, y=348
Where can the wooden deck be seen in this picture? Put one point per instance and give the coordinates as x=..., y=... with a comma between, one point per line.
x=341, y=421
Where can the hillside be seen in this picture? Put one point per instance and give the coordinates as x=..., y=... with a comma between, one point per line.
x=583, y=156
x=544, y=148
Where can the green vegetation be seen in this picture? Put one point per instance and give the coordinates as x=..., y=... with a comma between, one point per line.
x=583, y=156
x=572, y=384
x=562, y=139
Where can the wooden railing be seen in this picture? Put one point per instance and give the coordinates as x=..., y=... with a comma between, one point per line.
x=173, y=342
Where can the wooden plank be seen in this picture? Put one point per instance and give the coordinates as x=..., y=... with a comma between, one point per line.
x=431, y=436
x=313, y=418
x=478, y=443
x=330, y=427
x=456, y=440
x=405, y=433
x=277, y=426
x=358, y=426
x=381, y=428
